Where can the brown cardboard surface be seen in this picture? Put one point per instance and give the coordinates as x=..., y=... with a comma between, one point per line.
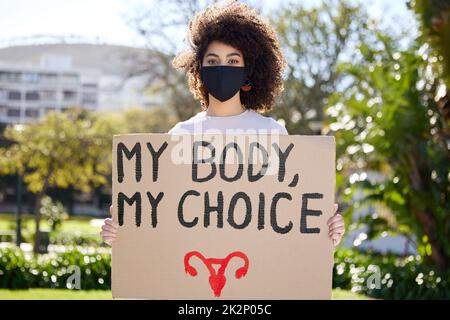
x=149, y=260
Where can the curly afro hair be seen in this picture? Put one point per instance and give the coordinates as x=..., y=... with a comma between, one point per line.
x=241, y=27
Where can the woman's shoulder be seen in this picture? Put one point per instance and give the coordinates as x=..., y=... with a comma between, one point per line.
x=268, y=122
x=251, y=119
x=186, y=126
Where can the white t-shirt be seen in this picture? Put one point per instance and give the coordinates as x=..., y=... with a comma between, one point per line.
x=247, y=122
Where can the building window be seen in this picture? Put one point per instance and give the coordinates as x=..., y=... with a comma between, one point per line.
x=48, y=95
x=32, y=96
x=14, y=95
x=87, y=102
x=10, y=77
x=13, y=112
x=49, y=77
x=32, y=113
x=30, y=77
x=48, y=109
x=90, y=86
x=69, y=95
x=69, y=78
x=89, y=98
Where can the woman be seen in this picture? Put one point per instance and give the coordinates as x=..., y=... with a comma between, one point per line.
x=234, y=68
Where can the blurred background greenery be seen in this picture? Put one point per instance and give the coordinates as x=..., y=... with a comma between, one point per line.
x=382, y=91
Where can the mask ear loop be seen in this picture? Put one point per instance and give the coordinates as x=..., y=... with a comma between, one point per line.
x=201, y=79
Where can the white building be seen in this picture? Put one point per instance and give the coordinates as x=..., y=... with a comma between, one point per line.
x=28, y=92
x=35, y=79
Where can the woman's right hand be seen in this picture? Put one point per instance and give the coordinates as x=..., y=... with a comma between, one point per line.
x=109, y=229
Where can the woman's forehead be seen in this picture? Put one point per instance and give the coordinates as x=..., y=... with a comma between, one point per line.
x=221, y=48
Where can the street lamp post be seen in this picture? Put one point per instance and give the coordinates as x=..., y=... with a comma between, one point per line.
x=19, y=127
x=19, y=211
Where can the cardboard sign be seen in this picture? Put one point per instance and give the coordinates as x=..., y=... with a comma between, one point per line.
x=222, y=216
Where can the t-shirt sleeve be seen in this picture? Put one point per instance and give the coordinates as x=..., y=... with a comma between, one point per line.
x=171, y=130
x=283, y=130
x=275, y=125
x=180, y=128
x=174, y=129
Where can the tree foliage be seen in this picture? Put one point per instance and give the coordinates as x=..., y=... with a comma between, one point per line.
x=434, y=16
x=71, y=149
x=387, y=121
x=314, y=41
x=47, y=154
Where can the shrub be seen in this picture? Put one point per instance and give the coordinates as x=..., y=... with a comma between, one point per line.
x=19, y=271
x=400, y=277
x=76, y=239
x=53, y=211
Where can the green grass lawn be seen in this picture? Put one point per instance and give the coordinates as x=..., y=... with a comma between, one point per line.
x=54, y=294
x=73, y=225
x=339, y=294
x=61, y=294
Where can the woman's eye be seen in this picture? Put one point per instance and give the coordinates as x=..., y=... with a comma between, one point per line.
x=211, y=61
x=234, y=61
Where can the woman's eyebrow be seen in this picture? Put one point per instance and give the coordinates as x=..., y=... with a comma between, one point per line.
x=228, y=55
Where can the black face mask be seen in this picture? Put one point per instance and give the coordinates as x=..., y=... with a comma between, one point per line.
x=223, y=81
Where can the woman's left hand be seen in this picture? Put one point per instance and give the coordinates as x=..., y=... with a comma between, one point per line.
x=336, y=227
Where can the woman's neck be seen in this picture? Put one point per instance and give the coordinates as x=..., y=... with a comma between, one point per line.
x=231, y=107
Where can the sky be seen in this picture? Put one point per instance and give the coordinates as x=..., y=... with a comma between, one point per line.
x=105, y=21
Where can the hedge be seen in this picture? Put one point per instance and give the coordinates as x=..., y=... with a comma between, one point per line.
x=18, y=271
x=399, y=277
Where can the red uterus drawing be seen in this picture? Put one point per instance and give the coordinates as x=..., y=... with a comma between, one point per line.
x=217, y=279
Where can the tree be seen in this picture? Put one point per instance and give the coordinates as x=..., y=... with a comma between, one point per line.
x=53, y=211
x=136, y=120
x=387, y=120
x=314, y=41
x=157, y=120
x=163, y=24
x=434, y=17
x=60, y=150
